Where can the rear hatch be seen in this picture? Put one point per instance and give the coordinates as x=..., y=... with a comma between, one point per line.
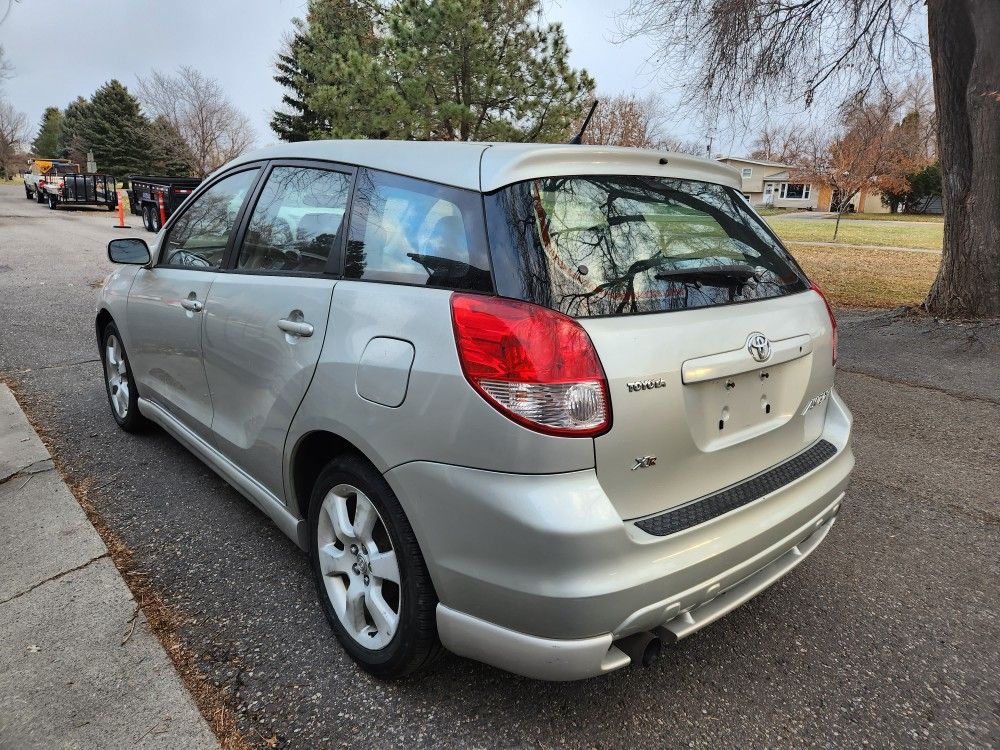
x=712, y=341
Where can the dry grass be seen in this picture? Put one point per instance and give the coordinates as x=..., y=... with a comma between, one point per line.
x=853, y=277
x=922, y=218
x=927, y=236
x=215, y=704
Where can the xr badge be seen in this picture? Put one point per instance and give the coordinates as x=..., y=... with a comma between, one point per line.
x=644, y=462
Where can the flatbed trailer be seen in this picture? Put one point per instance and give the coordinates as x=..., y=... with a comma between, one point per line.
x=87, y=189
x=149, y=193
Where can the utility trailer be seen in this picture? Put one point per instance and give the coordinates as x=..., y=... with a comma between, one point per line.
x=87, y=189
x=149, y=193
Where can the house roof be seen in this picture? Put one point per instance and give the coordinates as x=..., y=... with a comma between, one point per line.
x=489, y=166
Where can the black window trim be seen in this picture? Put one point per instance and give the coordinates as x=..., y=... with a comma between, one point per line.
x=203, y=188
x=334, y=263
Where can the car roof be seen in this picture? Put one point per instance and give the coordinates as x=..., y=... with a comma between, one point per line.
x=489, y=166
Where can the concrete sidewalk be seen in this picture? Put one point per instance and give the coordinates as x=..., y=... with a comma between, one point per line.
x=71, y=676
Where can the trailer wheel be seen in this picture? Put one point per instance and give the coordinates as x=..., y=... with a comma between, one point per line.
x=53, y=202
x=147, y=219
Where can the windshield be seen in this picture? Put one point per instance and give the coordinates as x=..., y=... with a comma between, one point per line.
x=616, y=245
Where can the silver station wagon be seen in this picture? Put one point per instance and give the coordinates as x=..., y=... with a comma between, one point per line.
x=543, y=406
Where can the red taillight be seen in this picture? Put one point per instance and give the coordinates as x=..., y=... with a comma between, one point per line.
x=41, y=181
x=833, y=320
x=62, y=184
x=533, y=365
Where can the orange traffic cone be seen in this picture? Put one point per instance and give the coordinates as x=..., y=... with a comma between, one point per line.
x=121, y=213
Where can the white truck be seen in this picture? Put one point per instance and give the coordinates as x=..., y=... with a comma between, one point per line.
x=42, y=171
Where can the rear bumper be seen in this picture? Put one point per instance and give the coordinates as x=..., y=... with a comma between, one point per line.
x=552, y=659
x=539, y=575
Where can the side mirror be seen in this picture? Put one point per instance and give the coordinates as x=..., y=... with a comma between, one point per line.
x=133, y=251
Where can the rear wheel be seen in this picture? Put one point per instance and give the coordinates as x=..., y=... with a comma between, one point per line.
x=40, y=196
x=154, y=218
x=123, y=396
x=145, y=219
x=370, y=576
x=27, y=193
x=52, y=200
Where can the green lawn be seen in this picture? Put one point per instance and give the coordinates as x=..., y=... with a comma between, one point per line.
x=855, y=277
x=927, y=236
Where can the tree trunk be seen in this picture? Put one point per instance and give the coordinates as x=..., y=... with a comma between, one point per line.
x=965, y=58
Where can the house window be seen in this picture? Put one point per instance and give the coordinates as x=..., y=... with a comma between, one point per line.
x=795, y=190
x=746, y=172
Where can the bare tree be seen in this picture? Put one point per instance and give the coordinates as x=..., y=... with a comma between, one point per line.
x=195, y=105
x=14, y=133
x=864, y=152
x=803, y=47
x=626, y=120
x=787, y=143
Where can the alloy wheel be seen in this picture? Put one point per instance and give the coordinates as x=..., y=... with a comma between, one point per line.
x=359, y=565
x=116, y=372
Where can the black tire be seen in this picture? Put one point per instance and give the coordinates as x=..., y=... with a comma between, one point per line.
x=39, y=196
x=145, y=218
x=53, y=202
x=27, y=193
x=132, y=420
x=415, y=645
x=154, y=218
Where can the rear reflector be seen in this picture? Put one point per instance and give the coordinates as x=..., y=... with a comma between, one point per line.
x=833, y=320
x=535, y=366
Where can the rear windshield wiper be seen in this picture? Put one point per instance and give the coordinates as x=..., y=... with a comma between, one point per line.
x=724, y=276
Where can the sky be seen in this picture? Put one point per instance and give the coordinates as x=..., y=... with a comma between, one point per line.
x=235, y=41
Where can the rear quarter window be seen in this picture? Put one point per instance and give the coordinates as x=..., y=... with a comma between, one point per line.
x=619, y=245
x=410, y=231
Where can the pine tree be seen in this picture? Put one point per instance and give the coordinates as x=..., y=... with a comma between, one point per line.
x=46, y=143
x=169, y=155
x=446, y=70
x=70, y=136
x=329, y=25
x=116, y=131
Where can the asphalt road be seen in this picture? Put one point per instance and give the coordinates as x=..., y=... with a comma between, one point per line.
x=886, y=636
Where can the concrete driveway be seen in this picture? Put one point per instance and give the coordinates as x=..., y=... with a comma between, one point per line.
x=886, y=636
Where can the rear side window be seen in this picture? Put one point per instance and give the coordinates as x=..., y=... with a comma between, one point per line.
x=617, y=245
x=199, y=237
x=414, y=232
x=296, y=222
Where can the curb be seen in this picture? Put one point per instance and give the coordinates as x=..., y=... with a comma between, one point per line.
x=79, y=666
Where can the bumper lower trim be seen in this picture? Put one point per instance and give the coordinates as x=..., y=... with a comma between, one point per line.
x=695, y=619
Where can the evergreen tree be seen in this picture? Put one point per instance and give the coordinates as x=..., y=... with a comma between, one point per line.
x=116, y=131
x=329, y=24
x=71, y=144
x=169, y=155
x=46, y=143
x=440, y=70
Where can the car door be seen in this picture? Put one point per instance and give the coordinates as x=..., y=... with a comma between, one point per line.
x=267, y=317
x=167, y=301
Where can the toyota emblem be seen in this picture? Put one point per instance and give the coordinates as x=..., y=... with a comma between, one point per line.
x=759, y=347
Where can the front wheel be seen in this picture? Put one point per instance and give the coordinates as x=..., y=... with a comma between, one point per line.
x=123, y=396
x=371, y=578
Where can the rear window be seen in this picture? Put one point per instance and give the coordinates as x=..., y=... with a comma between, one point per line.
x=610, y=245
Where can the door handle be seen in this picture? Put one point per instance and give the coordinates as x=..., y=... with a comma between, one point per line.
x=295, y=327
x=192, y=304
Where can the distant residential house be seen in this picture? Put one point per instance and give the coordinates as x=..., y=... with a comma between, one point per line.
x=773, y=184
